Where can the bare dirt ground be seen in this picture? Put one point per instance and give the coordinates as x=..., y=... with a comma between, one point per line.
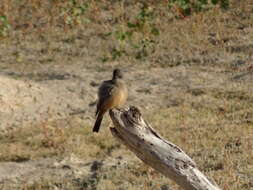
x=195, y=88
x=63, y=91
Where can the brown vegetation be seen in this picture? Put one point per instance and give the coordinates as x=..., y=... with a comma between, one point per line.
x=200, y=67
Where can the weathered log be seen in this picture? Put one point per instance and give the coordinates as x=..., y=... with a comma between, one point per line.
x=154, y=150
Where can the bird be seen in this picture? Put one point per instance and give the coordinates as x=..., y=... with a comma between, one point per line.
x=111, y=94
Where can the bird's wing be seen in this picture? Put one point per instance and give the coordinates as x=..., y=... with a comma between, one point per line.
x=104, y=92
x=105, y=89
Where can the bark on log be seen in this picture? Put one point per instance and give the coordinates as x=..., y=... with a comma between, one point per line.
x=154, y=150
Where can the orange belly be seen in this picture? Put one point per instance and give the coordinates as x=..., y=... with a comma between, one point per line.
x=116, y=100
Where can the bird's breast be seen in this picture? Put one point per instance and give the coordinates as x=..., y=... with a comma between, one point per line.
x=120, y=96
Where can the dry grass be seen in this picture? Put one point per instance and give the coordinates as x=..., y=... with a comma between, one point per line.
x=218, y=136
x=215, y=126
x=161, y=40
x=51, y=139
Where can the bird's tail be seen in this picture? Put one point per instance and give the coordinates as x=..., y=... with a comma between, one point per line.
x=98, y=122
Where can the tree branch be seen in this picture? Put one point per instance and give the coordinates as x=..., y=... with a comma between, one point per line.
x=154, y=150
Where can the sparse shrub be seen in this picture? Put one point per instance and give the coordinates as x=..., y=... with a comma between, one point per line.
x=139, y=34
x=186, y=7
x=4, y=26
x=74, y=12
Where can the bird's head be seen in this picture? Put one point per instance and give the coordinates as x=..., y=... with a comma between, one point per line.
x=117, y=74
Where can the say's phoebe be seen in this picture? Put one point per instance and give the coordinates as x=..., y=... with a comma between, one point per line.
x=111, y=94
